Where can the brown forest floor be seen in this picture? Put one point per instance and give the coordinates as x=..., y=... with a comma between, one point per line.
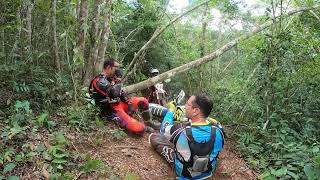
x=134, y=155
x=131, y=155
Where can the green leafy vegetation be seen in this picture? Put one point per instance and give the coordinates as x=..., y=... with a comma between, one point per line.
x=274, y=112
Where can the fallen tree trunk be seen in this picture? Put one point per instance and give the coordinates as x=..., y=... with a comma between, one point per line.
x=185, y=67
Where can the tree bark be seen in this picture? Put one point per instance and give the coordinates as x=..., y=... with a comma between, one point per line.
x=54, y=34
x=78, y=10
x=82, y=31
x=166, y=75
x=94, y=41
x=29, y=25
x=82, y=25
x=26, y=36
x=204, y=31
x=104, y=37
x=71, y=72
x=203, y=43
x=3, y=49
x=156, y=34
x=16, y=50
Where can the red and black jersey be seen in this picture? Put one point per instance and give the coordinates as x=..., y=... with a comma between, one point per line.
x=103, y=85
x=106, y=90
x=98, y=90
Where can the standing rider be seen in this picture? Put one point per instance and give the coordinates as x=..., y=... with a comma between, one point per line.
x=156, y=93
x=191, y=148
x=114, y=103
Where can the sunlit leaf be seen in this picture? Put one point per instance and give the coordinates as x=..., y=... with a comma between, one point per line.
x=13, y=178
x=9, y=167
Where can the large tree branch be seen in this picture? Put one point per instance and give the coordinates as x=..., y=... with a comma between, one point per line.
x=185, y=67
x=155, y=35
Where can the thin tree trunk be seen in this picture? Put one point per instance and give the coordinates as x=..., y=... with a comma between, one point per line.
x=29, y=25
x=3, y=49
x=267, y=112
x=104, y=37
x=16, y=52
x=203, y=43
x=273, y=60
x=95, y=24
x=253, y=72
x=156, y=34
x=95, y=66
x=315, y=15
x=78, y=9
x=189, y=82
x=26, y=34
x=54, y=34
x=123, y=44
x=204, y=31
x=211, y=73
x=166, y=75
x=82, y=31
x=82, y=25
x=266, y=94
x=94, y=41
x=75, y=95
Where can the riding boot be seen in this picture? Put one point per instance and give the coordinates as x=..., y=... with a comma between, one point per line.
x=147, y=116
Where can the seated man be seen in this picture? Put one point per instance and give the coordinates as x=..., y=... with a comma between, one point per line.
x=114, y=104
x=191, y=148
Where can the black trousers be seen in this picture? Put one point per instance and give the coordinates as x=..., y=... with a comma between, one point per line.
x=163, y=146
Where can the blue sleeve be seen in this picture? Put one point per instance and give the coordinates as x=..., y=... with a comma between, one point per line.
x=167, y=121
x=218, y=144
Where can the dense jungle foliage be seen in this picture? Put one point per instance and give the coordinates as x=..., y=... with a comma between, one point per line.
x=266, y=89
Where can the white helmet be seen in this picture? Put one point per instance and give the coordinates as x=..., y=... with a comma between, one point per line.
x=154, y=71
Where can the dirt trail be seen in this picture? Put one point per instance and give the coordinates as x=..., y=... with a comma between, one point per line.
x=134, y=155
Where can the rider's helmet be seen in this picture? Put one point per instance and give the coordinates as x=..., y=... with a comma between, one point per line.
x=154, y=72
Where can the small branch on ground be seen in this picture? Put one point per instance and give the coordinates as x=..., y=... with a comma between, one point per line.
x=75, y=148
x=129, y=147
x=45, y=173
x=78, y=175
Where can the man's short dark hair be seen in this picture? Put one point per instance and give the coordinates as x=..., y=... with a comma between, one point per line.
x=109, y=62
x=204, y=103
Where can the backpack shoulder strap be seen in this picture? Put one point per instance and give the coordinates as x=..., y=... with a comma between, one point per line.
x=189, y=134
x=194, y=148
x=212, y=139
x=219, y=127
